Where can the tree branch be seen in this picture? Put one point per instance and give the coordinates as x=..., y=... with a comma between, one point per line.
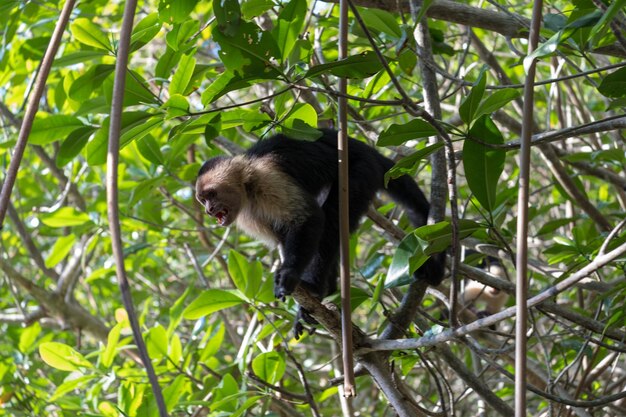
x=32, y=107
x=448, y=335
x=113, y=155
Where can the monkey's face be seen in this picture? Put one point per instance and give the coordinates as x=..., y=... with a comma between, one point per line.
x=222, y=201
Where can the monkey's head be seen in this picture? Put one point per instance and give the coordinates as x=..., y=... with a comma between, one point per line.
x=220, y=189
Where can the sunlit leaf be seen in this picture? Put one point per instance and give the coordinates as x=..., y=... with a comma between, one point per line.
x=176, y=11
x=73, y=144
x=52, y=127
x=63, y=357
x=289, y=24
x=269, y=366
x=59, y=250
x=183, y=74
x=87, y=32
x=65, y=217
x=209, y=302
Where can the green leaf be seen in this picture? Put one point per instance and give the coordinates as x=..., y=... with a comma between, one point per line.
x=87, y=32
x=496, y=101
x=438, y=237
x=604, y=24
x=135, y=125
x=136, y=90
x=149, y=148
x=212, y=129
x=166, y=63
x=358, y=66
x=552, y=225
x=209, y=302
x=249, y=51
x=176, y=106
x=89, y=83
x=614, y=84
x=245, y=275
x=176, y=11
x=550, y=46
x=468, y=107
x=183, y=74
x=249, y=119
x=397, y=135
x=416, y=248
x=269, y=366
x=181, y=37
x=72, y=385
x=228, y=16
x=483, y=165
x=302, y=112
x=296, y=128
x=230, y=81
x=63, y=357
x=288, y=26
x=59, y=250
x=78, y=57
x=73, y=144
x=408, y=165
x=399, y=268
x=108, y=354
x=255, y=8
x=381, y=21
x=28, y=337
x=65, y=217
x=173, y=392
x=157, y=342
x=407, y=60
x=238, y=269
x=144, y=31
x=48, y=128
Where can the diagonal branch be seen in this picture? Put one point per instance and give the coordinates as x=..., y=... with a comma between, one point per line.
x=32, y=107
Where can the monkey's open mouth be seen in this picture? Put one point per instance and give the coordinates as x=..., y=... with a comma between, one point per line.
x=222, y=217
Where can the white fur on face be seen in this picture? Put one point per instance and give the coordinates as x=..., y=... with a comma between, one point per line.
x=270, y=197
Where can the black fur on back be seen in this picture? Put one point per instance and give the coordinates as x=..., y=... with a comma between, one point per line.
x=313, y=165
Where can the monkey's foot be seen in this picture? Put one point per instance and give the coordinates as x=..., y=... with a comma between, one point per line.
x=285, y=281
x=298, y=327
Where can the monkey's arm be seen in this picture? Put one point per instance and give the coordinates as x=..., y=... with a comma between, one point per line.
x=298, y=244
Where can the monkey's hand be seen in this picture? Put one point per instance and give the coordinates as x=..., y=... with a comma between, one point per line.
x=285, y=281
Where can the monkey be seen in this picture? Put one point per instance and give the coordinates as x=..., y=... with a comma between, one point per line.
x=284, y=192
x=483, y=299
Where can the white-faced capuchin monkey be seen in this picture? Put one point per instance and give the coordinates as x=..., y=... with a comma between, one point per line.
x=483, y=299
x=284, y=192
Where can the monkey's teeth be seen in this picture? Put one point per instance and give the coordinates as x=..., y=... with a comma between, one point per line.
x=221, y=217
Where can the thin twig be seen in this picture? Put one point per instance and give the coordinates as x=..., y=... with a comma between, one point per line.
x=448, y=335
x=112, y=196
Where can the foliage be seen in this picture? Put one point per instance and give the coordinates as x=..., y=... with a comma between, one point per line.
x=208, y=77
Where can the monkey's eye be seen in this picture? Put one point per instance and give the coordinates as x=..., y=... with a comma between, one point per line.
x=209, y=194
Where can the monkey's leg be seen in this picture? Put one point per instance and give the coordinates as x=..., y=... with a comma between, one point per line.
x=299, y=244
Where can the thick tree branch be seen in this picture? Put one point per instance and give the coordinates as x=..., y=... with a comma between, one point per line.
x=55, y=304
x=510, y=25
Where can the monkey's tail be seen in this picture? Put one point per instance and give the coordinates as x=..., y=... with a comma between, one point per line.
x=405, y=191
